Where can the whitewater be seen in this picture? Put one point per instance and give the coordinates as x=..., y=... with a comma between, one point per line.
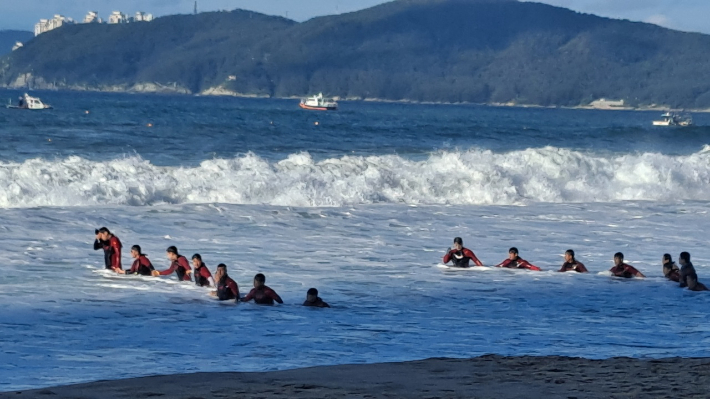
x=472, y=177
x=362, y=207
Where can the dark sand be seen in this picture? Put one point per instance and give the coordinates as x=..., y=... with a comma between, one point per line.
x=483, y=377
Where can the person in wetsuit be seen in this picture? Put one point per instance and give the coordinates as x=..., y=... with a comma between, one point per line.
x=621, y=269
x=179, y=265
x=141, y=264
x=262, y=294
x=516, y=262
x=460, y=256
x=226, y=287
x=572, y=264
x=111, y=246
x=688, y=276
x=203, y=277
x=670, y=269
x=312, y=299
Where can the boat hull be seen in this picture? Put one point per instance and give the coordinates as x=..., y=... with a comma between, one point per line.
x=312, y=108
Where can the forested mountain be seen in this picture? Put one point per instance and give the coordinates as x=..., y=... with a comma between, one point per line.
x=8, y=38
x=482, y=51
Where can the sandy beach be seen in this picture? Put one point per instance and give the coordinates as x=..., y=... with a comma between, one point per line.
x=489, y=376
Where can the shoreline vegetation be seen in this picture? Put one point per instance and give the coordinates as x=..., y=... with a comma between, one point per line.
x=427, y=51
x=489, y=376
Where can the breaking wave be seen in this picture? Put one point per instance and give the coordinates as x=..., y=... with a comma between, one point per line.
x=546, y=174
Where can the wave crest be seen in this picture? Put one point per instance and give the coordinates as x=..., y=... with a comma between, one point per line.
x=546, y=174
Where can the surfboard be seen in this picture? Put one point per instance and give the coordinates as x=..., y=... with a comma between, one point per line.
x=462, y=269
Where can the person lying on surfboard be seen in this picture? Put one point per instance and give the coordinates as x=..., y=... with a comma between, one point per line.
x=261, y=293
x=516, y=262
x=460, y=256
x=621, y=269
x=571, y=264
x=141, y=264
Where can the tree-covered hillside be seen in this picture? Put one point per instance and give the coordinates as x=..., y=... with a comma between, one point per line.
x=483, y=51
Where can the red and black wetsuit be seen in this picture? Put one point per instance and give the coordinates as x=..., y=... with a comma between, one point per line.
x=112, y=252
x=573, y=266
x=263, y=296
x=318, y=303
x=141, y=266
x=227, y=289
x=202, y=275
x=624, y=270
x=518, y=263
x=461, y=258
x=179, y=266
x=671, y=271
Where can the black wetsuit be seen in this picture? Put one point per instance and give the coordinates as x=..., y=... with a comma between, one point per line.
x=318, y=303
x=687, y=270
x=108, y=251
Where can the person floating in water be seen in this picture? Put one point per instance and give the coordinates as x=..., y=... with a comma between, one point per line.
x=262, y=294
x=203, y=277
x=670, y=269
x=179, y=265
x=141, y=264
x=111, y=246
x=688, y=276
x=226, y=287
x=516, y=262
x=621, y=269
x=460, y=256
x=312, y=299
x=572, y=264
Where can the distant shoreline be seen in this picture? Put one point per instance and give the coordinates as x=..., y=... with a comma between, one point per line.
x=154, y=88
x=489, y=376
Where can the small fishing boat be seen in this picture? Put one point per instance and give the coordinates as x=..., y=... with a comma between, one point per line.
x=319, y=103
x=28, y=102
x=673, y=119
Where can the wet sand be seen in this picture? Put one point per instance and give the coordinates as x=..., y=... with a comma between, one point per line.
x=489, y=376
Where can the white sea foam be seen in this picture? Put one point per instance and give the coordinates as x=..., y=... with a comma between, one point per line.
x=472, y=177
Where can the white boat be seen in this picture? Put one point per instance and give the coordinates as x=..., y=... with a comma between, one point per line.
x=673, y=119
x=29, y=102
x=319, y=103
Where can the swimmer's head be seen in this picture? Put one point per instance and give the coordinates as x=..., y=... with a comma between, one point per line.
x=136, y=251
x=458, y=243
x=172, y=252
x=667, y=258
x=196, y=260
x=684, y=257
x=569, y=255
x=512, y=253
x=618, y=258
x=259, y=280
x=312, y=295
x=221, y=271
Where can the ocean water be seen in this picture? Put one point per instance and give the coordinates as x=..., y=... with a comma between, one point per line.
x=360, y=203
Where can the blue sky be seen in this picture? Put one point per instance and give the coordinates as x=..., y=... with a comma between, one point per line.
x=687, y=15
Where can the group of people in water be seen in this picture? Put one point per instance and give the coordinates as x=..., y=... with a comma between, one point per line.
x=685, y=274
x=225, y=287
x=228, y=289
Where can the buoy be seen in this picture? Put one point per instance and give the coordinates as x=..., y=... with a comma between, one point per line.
x=150, y=125
x=49, y=139
x=316, y=123
x=86, y=112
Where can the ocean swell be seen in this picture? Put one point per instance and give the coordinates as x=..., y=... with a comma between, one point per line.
x=475, y=176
